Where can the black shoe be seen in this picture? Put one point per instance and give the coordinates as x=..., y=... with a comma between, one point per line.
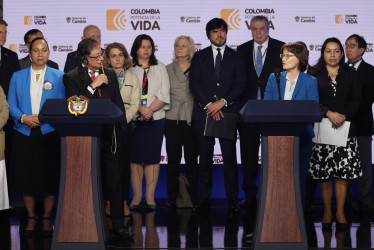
x=47, y=233
x=138, y=207
x=327, y=227
x=233, y=209
x=29, y=233
x=151, y=208
x=123, y=233
x=170, y=205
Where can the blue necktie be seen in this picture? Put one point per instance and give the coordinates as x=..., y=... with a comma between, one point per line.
x=217, y=66
x=259, y=61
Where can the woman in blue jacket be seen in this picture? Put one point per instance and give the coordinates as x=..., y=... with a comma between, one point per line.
x=296, y=85
x=36, y=146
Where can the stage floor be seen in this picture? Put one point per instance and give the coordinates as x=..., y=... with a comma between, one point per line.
x=181, y=228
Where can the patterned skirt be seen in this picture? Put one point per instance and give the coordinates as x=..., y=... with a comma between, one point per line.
x=329, y=161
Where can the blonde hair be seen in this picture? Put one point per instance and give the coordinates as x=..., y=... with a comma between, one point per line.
x=191, y=48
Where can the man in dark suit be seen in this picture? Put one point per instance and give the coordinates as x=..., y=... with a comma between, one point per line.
x=88, y=80
x=90, y=31
x=29, y=36
x=8, y=65
x=217, y=78
x=355, y=47
x=261, y=56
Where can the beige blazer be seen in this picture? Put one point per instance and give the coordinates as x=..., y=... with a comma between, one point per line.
x=4, y=114
x=130, y=93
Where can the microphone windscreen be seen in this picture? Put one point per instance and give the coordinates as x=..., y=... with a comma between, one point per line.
x=277, y=71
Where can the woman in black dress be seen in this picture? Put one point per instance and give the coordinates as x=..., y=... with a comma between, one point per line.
x=339, y=98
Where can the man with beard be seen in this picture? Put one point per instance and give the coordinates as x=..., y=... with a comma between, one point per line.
x=217, y=79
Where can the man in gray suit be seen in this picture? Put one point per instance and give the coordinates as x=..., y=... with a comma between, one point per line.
x=29, y=36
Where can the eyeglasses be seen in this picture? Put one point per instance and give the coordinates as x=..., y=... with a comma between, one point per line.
x=285, y=56
x=96, y=57
x=4, y=32
x=350, y=46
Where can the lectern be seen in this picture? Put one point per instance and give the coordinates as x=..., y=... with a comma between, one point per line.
x=79, y=218
x=280, y=221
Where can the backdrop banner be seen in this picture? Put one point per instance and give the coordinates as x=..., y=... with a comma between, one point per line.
x=310, y=21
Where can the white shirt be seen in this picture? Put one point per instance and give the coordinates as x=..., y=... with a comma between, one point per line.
x=36, y=89
x=89, y=88
x=264, y=50
x=215, y=52
x=357, y=64
x=288, y=92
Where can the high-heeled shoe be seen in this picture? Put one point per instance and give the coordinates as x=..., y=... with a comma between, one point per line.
x=151, y=207
x=327, y=227
x=28, y=233
x=48, y=232
x=134, y=207
x=341, y=227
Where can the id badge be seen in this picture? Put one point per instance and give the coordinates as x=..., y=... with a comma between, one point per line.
x=143, y=100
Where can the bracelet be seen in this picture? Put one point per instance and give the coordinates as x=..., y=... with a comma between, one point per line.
x=22, y=118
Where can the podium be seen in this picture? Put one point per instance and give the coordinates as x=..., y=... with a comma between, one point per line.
x=79, y=218
x=280, y=221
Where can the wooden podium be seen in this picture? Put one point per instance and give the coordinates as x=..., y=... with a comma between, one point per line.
x=280, y=220
x=79, y=218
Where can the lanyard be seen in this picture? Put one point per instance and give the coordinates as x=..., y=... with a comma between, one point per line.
x=146, y=76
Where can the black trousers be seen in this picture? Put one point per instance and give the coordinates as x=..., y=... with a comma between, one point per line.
x=206, y=149
x=178, y=135
x=249, y=146
x=111, y=169
x=126, y=137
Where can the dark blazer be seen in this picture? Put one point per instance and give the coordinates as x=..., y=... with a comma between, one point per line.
x=348, y=94
x=77, y=80
x=205, y=86
x=364, y=119
x=272, y=60
x=9, y=65
x=71, y=62
x=26, y=62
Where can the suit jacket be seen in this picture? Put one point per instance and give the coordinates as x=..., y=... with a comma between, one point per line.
x=71, y=62
x=347, y=100
x=306, y=89
x=77, y=80
x=4, y=114
x=205, y=86
x=9, y=65
x=364, y=119
x=19, y=96
x=26, y=62
x=272, y=60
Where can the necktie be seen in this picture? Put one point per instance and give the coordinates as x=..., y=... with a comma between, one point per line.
x=93, y=76
x=217, y=65
x=259, y=61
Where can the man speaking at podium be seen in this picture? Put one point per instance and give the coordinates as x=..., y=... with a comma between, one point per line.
x=91, y=80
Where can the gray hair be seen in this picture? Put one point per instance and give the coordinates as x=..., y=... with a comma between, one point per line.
x=260, y=18
x=191, y=48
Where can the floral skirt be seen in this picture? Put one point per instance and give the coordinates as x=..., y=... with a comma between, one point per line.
x=329, y=161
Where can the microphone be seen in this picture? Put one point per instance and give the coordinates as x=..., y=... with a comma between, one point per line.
x=277, y=77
